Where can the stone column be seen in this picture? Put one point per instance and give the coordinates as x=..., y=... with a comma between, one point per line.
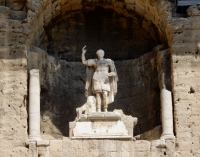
x=164, y=76
x=34, y=105
x=167, y=116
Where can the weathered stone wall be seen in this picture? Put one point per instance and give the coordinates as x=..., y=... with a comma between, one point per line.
x=185, y=62
x=103, y=148
x=13, y=85
x=181, y=35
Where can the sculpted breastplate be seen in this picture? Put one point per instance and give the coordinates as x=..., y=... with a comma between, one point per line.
x=102, y=66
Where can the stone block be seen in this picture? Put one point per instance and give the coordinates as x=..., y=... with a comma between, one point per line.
x=103, y=125
x=158, y=143
x=115, y=154
x=184, y=146
x=43, y=151
x=99, y=154
x=142, y=145
x=128, y=124
x=20, y=152
x=125, y=154
x=195, y=130
x=67, y=146
x=86, y=145
x=72, y=125
x=33, y=152
x=56, y=145
x=195, y=143
x=119, y=146
x=76, y=145
x=130, y=132
x=195, y=110
x=183, y=108
x=96, y=145
x=73, y=154
x=127, y=146
x=185, y=153
x=182, y=134
x=142, y=154
x=43, y=143
x=110, y=146
x=56, y=154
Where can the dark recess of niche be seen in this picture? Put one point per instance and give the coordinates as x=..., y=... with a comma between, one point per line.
x=108, y=34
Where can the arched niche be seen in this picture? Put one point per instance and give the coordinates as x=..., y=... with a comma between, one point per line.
x=121, y=37
x=128, y=36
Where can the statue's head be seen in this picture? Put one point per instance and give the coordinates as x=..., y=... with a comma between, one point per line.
x=100, y=53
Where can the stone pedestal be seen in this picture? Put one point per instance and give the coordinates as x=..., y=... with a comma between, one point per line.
x=104, y=125
x=34, y=106
x=167, y=116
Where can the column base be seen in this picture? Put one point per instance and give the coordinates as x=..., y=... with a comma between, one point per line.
x=34, y=138
x=167, y=137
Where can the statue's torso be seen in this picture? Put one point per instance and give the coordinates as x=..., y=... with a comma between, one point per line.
x=102, y=66
x=100, y=77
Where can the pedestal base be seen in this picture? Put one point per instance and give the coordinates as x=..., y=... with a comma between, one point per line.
x=34, y=138
x=104, y=125
x=167, y=137
x=101, y=137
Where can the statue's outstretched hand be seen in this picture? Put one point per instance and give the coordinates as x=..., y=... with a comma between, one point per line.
x=84, y=49
x=112, y=74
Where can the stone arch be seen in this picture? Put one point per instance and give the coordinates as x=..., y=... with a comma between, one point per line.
x=152, y=11
x=148, y=13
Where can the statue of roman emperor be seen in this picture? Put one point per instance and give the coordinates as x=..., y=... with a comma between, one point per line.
x=101, y=79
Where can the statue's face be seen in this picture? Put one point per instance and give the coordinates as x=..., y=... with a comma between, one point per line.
x=100, y=53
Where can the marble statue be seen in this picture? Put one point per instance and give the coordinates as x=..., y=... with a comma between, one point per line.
x=88, y=107
x=101, y=87
x=101, y=79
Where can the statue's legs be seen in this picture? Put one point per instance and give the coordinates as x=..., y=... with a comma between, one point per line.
x=98, y=99
x=105, y=102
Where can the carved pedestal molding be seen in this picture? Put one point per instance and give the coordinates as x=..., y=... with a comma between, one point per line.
x=103, y=125
x=34, y=106
x=167, y=116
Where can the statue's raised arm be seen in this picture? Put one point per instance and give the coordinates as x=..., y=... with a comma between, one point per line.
x=84, y=61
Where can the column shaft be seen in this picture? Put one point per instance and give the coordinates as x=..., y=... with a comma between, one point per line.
x=34, y=105
x=167, y=116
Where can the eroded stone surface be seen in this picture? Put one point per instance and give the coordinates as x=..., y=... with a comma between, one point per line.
x=180, y=34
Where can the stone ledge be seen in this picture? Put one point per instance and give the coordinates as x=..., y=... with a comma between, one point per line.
x=43, y=143
x=101, y=137
x=100, y=116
